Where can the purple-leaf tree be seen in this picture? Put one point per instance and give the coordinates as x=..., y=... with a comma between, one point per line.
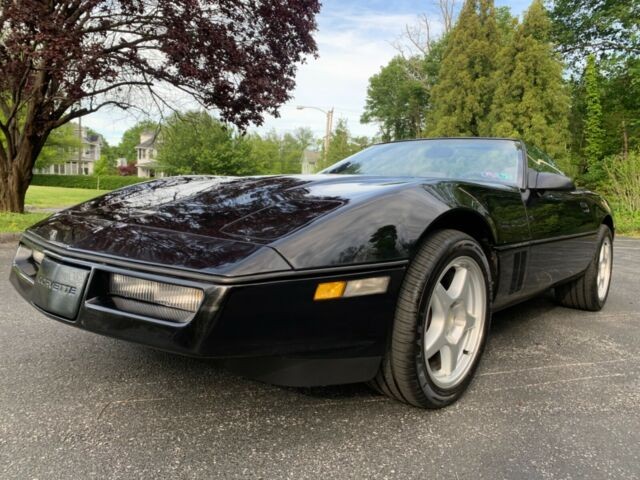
x=62, y=59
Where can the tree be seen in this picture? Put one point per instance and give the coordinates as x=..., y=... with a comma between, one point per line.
x=620, y=97
x=593, y=133
x=197, y=143
x=131, y=139
x=343, y=144
x=64, y=59
x=265, y=151
x=276, y=154
x=531, y=101
x=293, y=146
x=463, y=94
x=105, y=166
x=595, y=26
x=396, y=101
x=61, y=145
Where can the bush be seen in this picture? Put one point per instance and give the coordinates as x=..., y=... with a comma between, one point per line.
x=127, y=170
x=623, y=186
x=110, y=182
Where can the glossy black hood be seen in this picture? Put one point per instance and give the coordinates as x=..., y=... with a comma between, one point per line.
x=224, y=225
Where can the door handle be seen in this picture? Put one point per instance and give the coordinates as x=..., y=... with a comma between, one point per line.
x=585, y=207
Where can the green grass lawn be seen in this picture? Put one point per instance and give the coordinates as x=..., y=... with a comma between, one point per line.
x=18, y=222
x=44, y=198
x=58, y=197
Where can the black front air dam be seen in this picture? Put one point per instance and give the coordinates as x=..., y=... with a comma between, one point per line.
x=281, y=334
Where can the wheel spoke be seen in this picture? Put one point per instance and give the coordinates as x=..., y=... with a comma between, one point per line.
x=434, y=339
x=442, y=300
x=460, y=284
x=449, y=358
x=471, y=322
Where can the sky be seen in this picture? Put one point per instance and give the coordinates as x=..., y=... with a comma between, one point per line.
x=355, y=39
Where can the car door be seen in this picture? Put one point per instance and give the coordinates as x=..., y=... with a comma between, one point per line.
x=563, y=225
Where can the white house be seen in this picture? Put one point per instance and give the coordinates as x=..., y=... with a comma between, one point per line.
x=80, y=162
x=146, y=155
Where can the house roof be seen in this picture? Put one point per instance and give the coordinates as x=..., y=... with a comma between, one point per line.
x=150, y=143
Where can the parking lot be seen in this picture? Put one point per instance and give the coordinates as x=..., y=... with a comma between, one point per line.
x=557, y=396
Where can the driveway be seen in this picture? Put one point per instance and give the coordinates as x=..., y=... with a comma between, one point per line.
x=557, y=396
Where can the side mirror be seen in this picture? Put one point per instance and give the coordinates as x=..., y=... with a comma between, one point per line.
x=550, y=181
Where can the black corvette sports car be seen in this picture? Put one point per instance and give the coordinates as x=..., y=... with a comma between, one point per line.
x=384, y=268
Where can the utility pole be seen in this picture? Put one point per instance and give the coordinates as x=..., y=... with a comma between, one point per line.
x=329, y=125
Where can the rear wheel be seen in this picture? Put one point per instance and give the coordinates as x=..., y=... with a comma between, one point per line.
x=441, y=323
x=591, y=289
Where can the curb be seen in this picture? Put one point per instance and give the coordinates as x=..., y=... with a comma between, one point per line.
x=9, y=237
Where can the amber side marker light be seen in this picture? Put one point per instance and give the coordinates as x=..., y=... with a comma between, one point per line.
x=353, y=288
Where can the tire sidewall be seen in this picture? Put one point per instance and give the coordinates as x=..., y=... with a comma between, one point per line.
x=462, y=247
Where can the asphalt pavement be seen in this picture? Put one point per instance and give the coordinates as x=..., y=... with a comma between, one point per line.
x=557, y=396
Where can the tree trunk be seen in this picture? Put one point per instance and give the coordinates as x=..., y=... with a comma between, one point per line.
x=11, y=196
x=625, y=141
x=13, y=186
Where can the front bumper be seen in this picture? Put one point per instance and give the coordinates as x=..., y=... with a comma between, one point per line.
x=267, y=328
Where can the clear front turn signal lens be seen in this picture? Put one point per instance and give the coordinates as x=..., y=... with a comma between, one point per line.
x=366, y=286
x=352, y=288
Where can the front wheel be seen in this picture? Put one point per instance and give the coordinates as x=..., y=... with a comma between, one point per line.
x=441, y=323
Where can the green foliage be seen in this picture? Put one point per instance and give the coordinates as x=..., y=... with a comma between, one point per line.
x=531, y=101
x=620, y=98
x=397, y=100
x=343, y=144
x=507, y=23
x=593, y=133
x=105, y=166
x=61, y=145
x=623, y=179
x=266, y=151
x=131, y=139
x=277, y=154
x=595, y=26
x=398, y=97
x=463, y=94
x=195, y=143
x=85, y=181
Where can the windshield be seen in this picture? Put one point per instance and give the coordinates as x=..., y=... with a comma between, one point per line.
x=489, y=160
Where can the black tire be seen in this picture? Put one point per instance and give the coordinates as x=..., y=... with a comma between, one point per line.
x=403, y=374
x=582, y=292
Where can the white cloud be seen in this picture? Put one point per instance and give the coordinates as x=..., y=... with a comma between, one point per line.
x=352, y=47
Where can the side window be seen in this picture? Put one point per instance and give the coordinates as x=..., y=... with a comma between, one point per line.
x=541, y=162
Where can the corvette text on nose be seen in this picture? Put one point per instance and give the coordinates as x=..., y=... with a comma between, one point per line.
x=57, y=287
